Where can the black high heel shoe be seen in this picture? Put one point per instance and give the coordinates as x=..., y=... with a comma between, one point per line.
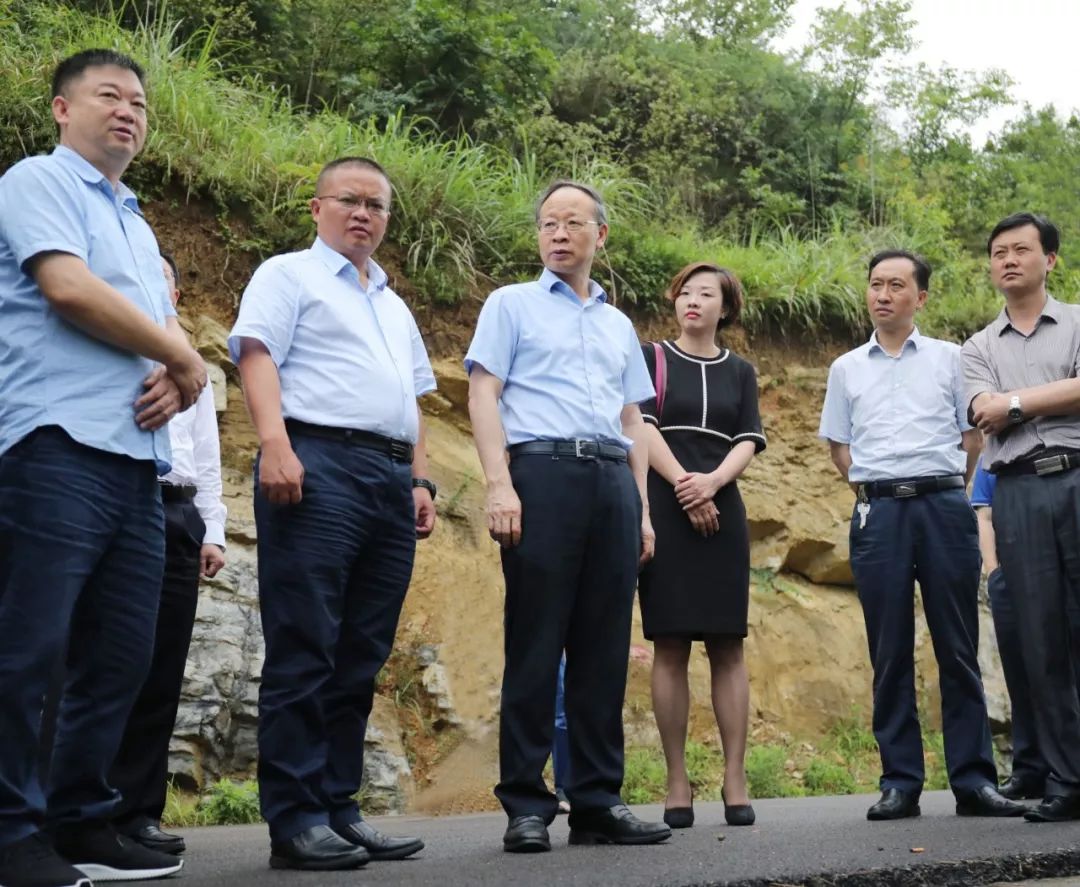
x=680, y=817
x=737, y=814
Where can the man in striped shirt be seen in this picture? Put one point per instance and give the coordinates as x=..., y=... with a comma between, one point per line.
x=1020, y=375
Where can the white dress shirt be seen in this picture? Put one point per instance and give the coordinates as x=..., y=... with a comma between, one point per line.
x=196, y=461
x=347, y=356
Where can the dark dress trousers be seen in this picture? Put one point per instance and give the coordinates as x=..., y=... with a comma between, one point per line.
x=141, y=768
x=569, y=584
x=82, y=546
x=333, y=572
x=932, y=539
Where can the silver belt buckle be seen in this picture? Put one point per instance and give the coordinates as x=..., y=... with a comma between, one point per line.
x=577, y=448
x=903, y=491
x=1051, y=464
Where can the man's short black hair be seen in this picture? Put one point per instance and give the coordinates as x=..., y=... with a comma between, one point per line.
x=73, y=67
x=922, y=267
x=365, y=162
x=1049, y=236
x=171, y=262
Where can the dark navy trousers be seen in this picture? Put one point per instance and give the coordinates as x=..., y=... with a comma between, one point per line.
x=82, y=548
x=932, y=539
x=569, y=585
x=333, y=572
x=1028, y=762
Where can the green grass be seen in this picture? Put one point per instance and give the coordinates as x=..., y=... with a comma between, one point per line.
x=463, y=209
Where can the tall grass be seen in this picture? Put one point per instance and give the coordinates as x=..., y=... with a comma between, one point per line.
x=462, y=215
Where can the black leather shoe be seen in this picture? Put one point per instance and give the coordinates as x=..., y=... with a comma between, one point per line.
x=378, y=845
x=1055, y=808
x=1016, y=788
x=986, y=801
x=152, y=837
x=615, y=825
x=679, y=817
x=894, y=804
x=526, y=834
x=317, y=849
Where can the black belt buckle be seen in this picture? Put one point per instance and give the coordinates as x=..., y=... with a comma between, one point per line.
x=1051, y=464
x=400, y=451
x=905, y=490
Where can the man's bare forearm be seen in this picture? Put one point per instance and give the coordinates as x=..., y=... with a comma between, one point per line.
x=420, y=461
x=487, y=427
x=88, y=302
x=262, y=391
x=638, y=457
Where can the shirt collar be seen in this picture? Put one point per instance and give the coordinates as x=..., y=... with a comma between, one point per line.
x=1051, y=310
x=914, y=340
x=549, y=280
x=90, y=174
x=336, y=262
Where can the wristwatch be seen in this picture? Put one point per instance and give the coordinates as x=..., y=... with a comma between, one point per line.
x=427, y=485
x=1016, y=414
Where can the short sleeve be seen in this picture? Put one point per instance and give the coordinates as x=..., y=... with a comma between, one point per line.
x=649, y=411
x=978, y=375
x=960, y=399
x=749, y=423
x=40, y=212
x=269, y=311
x=836, y=412
x=637, y=383
x=423, y=377
x=982, y=488
x=495, y=340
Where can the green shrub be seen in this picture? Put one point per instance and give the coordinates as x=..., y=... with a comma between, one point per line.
x=824, y=777
x=232, y=803
x=766, y=773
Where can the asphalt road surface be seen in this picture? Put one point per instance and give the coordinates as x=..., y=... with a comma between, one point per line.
x=823, y=842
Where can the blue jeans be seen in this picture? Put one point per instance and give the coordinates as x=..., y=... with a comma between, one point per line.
x=333, y=572
x=560, y=749
x=932, y=539
x=82, y=549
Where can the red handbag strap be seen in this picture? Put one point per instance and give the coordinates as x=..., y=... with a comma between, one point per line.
x=660, y=378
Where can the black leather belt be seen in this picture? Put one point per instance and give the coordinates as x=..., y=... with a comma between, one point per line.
x=575, y=449
x=1046, y=465
x=398, y=450
x=177, y=492
x=916, y=486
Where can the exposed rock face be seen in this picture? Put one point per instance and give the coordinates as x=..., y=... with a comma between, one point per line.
x=806, y=650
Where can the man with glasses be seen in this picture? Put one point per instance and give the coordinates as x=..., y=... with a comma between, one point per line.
x=555, y=378
x=332, y=364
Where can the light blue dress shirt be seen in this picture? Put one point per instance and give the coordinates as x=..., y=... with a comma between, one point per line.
x=348, y=357
x=568, y=367
x=901, y=416
x=52, y=373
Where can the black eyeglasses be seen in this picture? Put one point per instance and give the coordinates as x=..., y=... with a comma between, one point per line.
x=374, y=206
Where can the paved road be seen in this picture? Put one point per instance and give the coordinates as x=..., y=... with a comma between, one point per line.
x=824, y=842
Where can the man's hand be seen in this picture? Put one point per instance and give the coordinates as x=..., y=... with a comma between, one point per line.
x=188, y=371
x=704, y=519
x=991, y=413
x=159, y=403
x=695, y=489
x=504, y=513
x=648, y=541
x=211, y=559
x=425, y=512
x=281, y=476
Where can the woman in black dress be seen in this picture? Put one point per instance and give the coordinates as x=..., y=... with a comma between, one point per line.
x=704, y=428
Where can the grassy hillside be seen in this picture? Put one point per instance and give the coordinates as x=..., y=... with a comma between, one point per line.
x=463, y=209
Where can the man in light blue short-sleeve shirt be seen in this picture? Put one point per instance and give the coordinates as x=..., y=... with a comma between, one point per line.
x=92, y=365
x=895, y=420
x=555, y=378
x=333, y=364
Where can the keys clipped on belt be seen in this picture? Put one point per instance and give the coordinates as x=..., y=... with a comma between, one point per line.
x=862, y=508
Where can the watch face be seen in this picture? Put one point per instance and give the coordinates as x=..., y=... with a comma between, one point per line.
x=1016, y=414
